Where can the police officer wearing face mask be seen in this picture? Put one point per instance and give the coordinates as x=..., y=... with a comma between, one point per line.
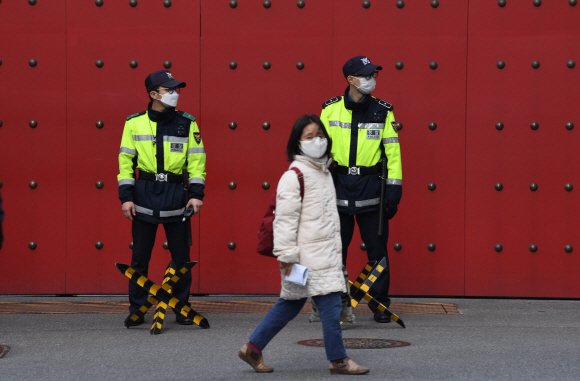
x=363, y=131
x=161, y=143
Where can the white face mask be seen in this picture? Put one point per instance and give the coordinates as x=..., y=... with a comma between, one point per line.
x=366, y=85
x=169, y=100
x=314, y=148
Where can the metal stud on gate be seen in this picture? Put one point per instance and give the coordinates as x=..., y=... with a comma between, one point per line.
x=569, y=126
x=432, y=187
x=433, y=65
x=568, y=249
x=501, y=3
x=500, y=64
x=167, y=64
x=33, y=184
x=499, y=126
x=498, y=187
x=33, y=124
x=32, y=245
x=99, y=245
x=0, y=123
x=99, y=185
x=267, y=65
x=99, y=3
x=133, y=64
x=1, y=184
x=400, y=4
x=366, y=4
x=266, y=185
x=431, y=247
x=498, y=248
x=570, y=64
x=233, y=65
x=398, y=126
x=399, y=65
x=232, y=185
x=233, y=4
x=99, y=63
x=535, y=64
x=572, y=2
x=537, y=3
x=363, y=246
x=166, y=245
x=397, y=246
x=533, y=187
x=434, y=3
x=300, y=4
x=432, y=126
x=568, y=187
x=133, y=3
x=267, y=4
x=533, y=248
x=233, y=125
x=0, y=62
x=266, y=126
x=131, y=245
x=534, y=126
x=166, y=3
x=300, y=65
x=32, y=2
x=32, y=62
x=100, y=124
x=232, y=245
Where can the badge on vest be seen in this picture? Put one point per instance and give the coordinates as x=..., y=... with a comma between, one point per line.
x=374, y=134
x=176, y=147
x=197, y=137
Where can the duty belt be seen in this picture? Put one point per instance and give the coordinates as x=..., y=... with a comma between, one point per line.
x=357, y=171
x=167, y=177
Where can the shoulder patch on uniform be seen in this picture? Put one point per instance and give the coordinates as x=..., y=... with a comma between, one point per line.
x=331, y=101
x=186, y=115
x=134, y=115
x=386, y=105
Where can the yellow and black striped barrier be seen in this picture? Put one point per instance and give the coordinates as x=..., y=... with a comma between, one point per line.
x=161, y=309
x=359, y=289
x=161, y=294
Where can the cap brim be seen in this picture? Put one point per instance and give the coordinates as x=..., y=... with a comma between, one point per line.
x=368, y=69
x=173, y=83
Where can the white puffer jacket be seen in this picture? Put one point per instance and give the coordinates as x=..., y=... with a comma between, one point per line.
x=308, y=232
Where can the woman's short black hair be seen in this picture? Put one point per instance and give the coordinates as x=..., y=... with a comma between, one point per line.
x=292, y=149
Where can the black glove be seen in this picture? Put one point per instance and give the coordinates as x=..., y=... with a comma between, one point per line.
x=391, y=210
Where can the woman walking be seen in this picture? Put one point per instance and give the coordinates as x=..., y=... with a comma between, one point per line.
x=307, y=232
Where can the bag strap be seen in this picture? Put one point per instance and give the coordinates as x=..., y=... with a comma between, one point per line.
x=301, y=181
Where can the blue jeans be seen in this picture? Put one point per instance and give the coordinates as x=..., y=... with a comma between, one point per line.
x=283, y=311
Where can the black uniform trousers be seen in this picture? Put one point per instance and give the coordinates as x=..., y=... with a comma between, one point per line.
x=143, y=241
x=368, y=224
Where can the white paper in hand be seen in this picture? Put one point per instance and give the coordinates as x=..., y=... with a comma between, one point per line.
x=298, y=274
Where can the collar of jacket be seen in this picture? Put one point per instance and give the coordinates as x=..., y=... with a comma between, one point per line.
x=161, y=117
x=321, y=164
x=353, y=105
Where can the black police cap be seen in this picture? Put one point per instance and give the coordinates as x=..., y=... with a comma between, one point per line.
x=162, y=78
x=359, y=65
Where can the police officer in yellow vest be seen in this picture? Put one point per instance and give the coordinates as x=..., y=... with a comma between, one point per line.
x=160, y=142
x=363, y=131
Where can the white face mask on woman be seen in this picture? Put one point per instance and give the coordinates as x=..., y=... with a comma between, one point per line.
x=314, y=148
x=366, y=85
x=169, y=100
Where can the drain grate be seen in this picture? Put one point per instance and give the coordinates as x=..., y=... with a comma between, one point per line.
x=360, y=343
x=214, y=307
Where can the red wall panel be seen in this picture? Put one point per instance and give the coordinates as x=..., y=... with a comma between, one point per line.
x=117, y=34
x=517, y=156
x=33, y=154
x=416, y=35
x=251, y=95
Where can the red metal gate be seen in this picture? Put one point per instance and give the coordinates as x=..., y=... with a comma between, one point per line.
x=252, y=69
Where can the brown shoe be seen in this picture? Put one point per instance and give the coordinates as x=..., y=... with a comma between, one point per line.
x=347, y=366
x=254, y=359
